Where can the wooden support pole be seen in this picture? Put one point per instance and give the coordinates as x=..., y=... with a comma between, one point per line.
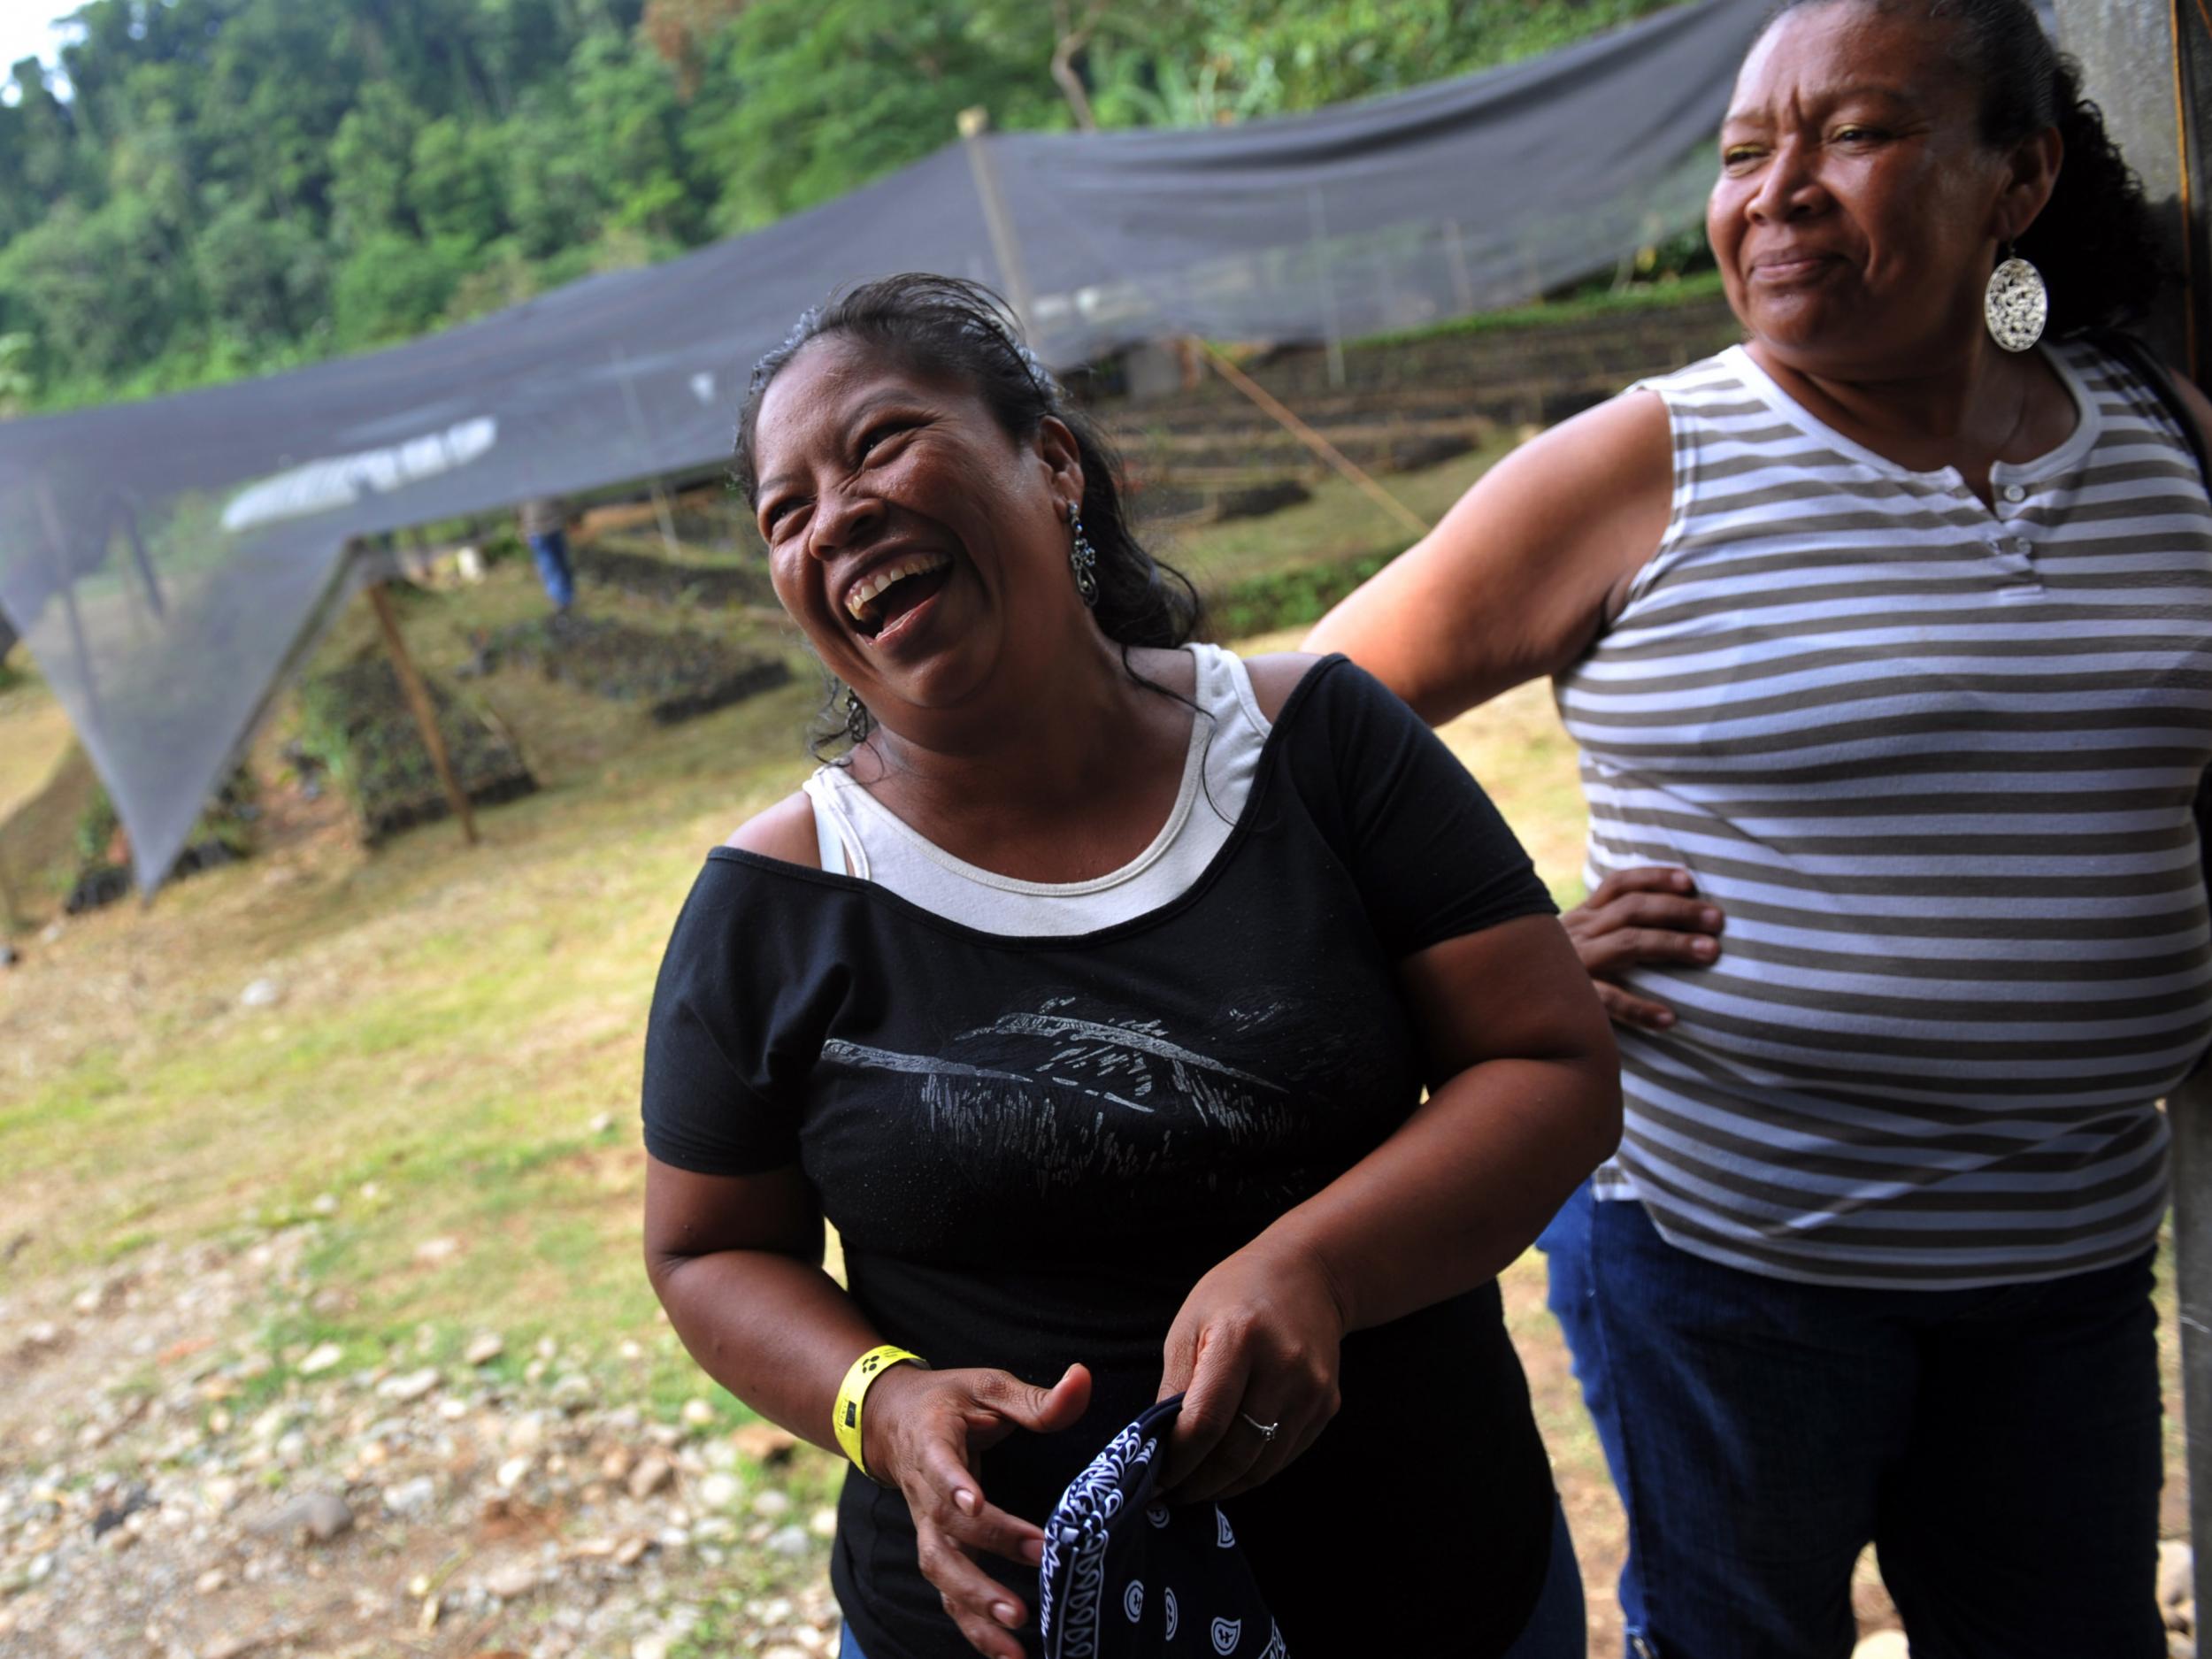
x=425, y=713
x=1270, y=405
x=669, y=544
x=1332, y=330
x=974, y=127
x=1456, y=260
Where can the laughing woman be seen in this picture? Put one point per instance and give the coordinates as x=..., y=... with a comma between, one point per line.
x=1092, y=998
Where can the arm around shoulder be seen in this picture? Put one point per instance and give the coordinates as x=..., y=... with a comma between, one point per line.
x=1525, y=569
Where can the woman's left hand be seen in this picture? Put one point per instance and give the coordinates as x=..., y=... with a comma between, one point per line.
x=1256, y=1343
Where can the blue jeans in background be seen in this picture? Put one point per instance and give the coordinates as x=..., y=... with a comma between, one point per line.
x=2000, y=1449
x=550, y=550
x=1556, y=1630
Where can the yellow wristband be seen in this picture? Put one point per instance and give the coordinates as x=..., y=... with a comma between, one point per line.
x=845, y=1418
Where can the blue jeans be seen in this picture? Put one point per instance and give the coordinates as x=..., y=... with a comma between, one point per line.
x=1998, y=1448
x=1556, y=1630
x=550, y=550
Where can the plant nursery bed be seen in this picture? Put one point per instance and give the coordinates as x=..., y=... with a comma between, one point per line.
x=721, y=587
x=357, y=722
x=677, y=675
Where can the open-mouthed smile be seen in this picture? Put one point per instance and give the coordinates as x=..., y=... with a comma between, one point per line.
x=892, y=590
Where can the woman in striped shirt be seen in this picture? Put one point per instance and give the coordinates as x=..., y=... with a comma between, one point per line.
x=1888, y=647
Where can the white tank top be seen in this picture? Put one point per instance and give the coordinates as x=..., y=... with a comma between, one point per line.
x=859, y=836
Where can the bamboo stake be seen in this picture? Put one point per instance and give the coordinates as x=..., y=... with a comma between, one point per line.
x=974, y=127
x=668, y=523
x=1333, y=333
x=1344, y=464
x=425, y=713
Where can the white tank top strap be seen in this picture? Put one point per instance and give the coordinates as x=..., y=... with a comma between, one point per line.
x=1219, y=767
x=837, y=841
x=1225, y=689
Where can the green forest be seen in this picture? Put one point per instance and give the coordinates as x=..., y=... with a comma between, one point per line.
x=214, y=188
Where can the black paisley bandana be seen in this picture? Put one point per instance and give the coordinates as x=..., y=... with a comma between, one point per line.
x=1124, y=1577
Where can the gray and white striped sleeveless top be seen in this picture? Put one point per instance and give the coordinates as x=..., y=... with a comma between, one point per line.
x=1936, y=761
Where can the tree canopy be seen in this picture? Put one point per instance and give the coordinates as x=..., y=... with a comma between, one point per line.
x=229, y=186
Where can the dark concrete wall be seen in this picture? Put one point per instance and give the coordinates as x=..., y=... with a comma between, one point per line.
x=2129, y=49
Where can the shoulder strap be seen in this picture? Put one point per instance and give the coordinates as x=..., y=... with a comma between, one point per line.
x=832, y=833
x=2140, y=358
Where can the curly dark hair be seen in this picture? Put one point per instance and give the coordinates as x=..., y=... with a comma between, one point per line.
x=2096, y=242
x=943, y=329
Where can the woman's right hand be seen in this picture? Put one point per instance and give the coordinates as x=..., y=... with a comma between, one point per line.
x=1651, y=914
x=919, y=1432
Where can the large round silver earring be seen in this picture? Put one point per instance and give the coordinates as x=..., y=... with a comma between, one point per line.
x=1084, y=559
x=858, y=721
x=2017, y=303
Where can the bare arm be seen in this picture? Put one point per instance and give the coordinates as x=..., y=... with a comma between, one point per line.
x=736, y=1260
x=1526, y=1103
x=1524, y=570
x=1517, y=582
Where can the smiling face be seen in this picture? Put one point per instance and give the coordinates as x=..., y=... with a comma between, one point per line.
x=923, y=550
x=1857, y=211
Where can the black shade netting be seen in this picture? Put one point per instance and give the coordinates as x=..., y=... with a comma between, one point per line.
x=167, y=561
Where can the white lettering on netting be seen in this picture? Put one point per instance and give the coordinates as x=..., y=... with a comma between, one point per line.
x=339, y=480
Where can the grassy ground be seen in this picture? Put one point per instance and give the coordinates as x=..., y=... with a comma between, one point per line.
x=1338, y=524
x=451, y=1053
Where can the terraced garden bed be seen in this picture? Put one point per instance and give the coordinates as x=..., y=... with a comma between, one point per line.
x=356, y=722
x=677, y=675
x=719, y=586
x=223, y=834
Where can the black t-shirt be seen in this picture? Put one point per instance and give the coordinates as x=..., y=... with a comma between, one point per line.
x=1032, y=1148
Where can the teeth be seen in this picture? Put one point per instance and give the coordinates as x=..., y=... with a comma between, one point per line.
x=863, y=592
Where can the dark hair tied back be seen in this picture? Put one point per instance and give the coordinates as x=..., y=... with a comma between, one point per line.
x=941, y=328
x=2095, y=242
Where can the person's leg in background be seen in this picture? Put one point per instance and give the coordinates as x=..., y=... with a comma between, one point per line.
x=550, y=552
x=1571, y=1295
x=2022, y=1521
x=1750, y=1421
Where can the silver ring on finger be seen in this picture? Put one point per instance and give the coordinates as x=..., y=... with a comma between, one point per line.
x=1266, y=1430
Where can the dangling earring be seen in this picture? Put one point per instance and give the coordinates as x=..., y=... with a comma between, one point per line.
x=2017, y=303
x=1083, y=557
x=859, y=722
